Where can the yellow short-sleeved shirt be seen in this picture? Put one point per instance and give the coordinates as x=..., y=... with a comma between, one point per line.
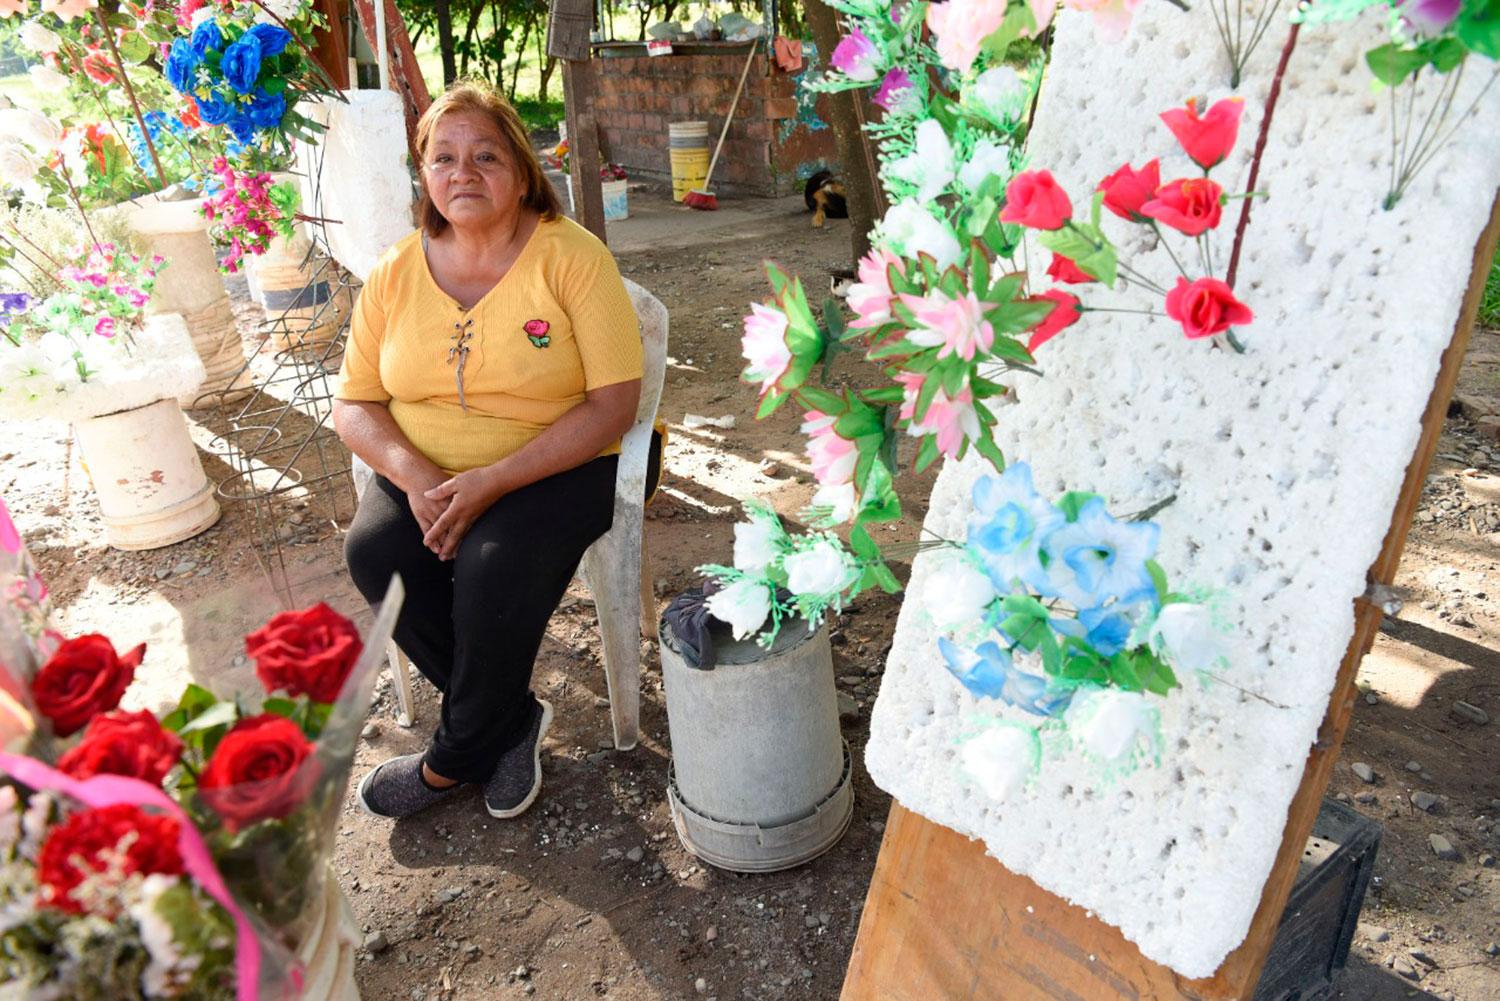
x=558, y=324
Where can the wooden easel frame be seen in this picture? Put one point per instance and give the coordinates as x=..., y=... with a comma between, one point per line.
x=944, y=921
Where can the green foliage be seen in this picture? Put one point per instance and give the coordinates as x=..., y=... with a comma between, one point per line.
x=1489, y=306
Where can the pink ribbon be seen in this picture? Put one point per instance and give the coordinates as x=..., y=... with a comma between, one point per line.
x=108, y=790
x=10, y=538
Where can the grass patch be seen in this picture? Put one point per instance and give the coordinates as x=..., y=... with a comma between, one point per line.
x=1489, y=305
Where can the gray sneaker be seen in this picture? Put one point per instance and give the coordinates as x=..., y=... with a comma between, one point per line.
x=395, y=788
x=518, y=776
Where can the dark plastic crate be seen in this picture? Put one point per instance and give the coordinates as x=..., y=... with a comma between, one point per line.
x=1317, y=926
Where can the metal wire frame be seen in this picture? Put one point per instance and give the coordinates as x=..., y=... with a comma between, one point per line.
x=277, y=436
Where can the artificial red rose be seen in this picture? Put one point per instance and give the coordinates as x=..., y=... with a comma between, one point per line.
x=83, y=678
x=1127, y=189
x=1193, y=206
x=99, y=67
x=1034, y=199
x=124, y=743
x=121, y=838
x=1063, y=315
x=1207, y=140
x=189, y=116
x=309, y=652
x=1206, y=307
x=1062, y=269
x=259, y=771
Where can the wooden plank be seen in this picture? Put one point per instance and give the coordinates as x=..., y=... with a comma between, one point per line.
x=942, y=920
x=406, y=75
x=569, y=23
x=583, y=137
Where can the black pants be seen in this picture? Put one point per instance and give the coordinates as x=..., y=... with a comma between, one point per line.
x=473, y=626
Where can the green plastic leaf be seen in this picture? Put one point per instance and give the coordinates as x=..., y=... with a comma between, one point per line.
x=991, y=451
x=1073, y=501
x=1088, y=248
x=1158, y=579
x=280, y=706
x=135, y=48
x=883, y=394
x=828, y=402
x=769, y=404
x=927, y=452
x=1392, y=63
x=1478, y=27
x=778, y=279
x=862, y=545
x=220, y=714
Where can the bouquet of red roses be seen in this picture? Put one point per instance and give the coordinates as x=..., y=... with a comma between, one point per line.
x=185, y=856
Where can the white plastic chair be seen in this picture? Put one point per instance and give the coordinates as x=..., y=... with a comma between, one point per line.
x=616, y=567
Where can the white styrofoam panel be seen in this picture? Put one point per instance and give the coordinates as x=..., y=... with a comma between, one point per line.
x=1286, y=463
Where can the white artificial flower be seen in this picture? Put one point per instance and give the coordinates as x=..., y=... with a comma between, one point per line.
x=204, y=13
x=956, y=594
x=909, y=229
x=1000, y=93
x=18, y=165
x=989, y=159
x=1108, y=722
x=157, y=936
x=841, y=498
x=929, y=165
x=755, y=545
x=1185, y=635
x=31, y=127
x=47, y=79
x=744, y=605
x=39, y=38
x=1000, y=759
x=823, y=570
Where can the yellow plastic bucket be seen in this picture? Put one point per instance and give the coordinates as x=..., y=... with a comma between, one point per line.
x=689, y=171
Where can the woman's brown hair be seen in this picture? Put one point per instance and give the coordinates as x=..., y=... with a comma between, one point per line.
x=474, y=95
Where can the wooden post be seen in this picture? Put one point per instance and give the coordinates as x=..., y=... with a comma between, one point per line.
x=569, y=23
x=943, y=921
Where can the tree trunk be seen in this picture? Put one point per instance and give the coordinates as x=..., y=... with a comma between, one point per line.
x=866, y=201
x=445, y=41
x=475, y=13
x=520, y=47
x=547, y=63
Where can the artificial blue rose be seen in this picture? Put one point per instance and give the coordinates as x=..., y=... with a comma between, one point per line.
x=207, y=38
x=182, y=65
x=241, y=63
x=273, y=38
x=1098, y=558
x=1008, y=525
x=214, y=109
x=267, y=111
x=241, y=127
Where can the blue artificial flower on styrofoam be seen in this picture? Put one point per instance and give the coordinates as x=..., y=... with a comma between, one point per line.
x=214, y=109
x=241, y=127
x=1097, y=559
x=241, y=63
x=182, y=65
x=1107, y=629
x=989, y=672
x=1009, y=523
x=273, y=38
x=206, y=38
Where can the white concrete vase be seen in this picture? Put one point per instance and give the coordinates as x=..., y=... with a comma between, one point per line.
x=192, y=287
x=357, y=174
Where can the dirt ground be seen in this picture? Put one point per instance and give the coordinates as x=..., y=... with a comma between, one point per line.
x=590, y=893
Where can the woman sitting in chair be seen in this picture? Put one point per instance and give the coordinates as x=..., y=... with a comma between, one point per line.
x=493, y=363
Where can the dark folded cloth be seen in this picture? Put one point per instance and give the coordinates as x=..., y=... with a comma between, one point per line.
x=687, y=616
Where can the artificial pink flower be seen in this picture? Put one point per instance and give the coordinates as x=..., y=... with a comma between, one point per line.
x=953, y=420
x=959, y=325
x=1035, y=200
x=897, y=94
x=870, y=297
x=68, y=9
x=764, y=346
x=9, y=7
x=10, y=538
x=1192, y=206
x=1127, y=189
x=856, y=57
x=1428, y=17
x=105, y=326
x=1063, y=315
x=833, y=456
x=1111, y=17
x=1063, y=269
x=1207, y=140
x=1206, y=307
x=960, y=27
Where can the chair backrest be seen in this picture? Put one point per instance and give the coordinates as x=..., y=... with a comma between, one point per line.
x=653, y=318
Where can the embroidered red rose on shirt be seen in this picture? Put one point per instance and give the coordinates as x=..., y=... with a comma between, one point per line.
x=536, y=333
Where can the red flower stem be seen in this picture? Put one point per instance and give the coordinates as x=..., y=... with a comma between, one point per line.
x=1260, y=148
x=78, y=204
x=109, y=36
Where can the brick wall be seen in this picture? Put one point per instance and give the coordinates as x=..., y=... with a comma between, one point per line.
x=637, y=95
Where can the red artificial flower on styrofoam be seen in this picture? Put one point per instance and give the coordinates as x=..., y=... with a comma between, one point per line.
x=1063, y=269
x=1206, y=307
x=1192, y=206
x=1127, y=189
x=1034, y=199
x=1209, y=138
x=1064, y=314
